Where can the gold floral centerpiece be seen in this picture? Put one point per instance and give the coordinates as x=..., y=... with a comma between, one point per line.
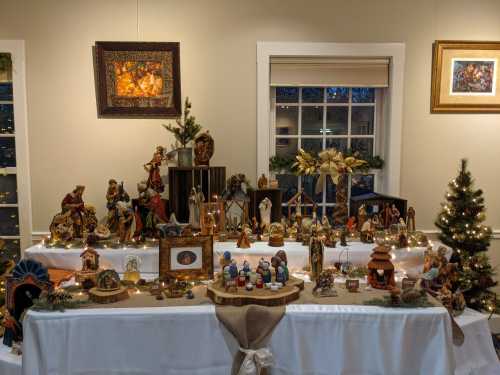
x=334, y=164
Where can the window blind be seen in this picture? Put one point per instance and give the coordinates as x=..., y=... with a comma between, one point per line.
x=319, y=71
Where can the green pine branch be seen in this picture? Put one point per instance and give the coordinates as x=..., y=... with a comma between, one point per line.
x=184, y=131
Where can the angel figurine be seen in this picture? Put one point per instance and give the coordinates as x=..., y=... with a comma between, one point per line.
x=153, y=168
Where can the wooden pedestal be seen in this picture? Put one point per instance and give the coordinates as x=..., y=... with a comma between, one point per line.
x=98, y=296
x=264, y=297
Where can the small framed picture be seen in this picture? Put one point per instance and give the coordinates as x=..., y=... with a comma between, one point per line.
x=187, y=258
x=465, y=77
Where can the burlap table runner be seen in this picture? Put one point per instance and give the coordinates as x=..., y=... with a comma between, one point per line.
x=251, y=326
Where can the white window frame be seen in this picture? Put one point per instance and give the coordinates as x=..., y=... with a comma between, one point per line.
x=391, y=144
x=377, y=105
x=16, y=49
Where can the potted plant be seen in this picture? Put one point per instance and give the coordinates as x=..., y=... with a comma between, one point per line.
x=184, y=131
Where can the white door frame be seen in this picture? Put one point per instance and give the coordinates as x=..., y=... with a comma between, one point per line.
x=16, y=49
x=394, y=51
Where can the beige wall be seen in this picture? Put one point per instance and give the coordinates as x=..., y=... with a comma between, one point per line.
x=69, y=145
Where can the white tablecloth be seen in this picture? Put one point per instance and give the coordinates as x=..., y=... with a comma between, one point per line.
x=310, y=339
x=10, y=364
x=358, y=253
x=476, y=356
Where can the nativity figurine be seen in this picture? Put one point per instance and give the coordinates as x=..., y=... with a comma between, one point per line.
x=316, y=253
x=154, y=180
x=115, y=193
x=262, y=182
x=73, y=203
x=203, y=149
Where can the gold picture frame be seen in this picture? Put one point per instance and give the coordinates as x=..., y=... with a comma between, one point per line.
x=187, y=258
x=465, y=77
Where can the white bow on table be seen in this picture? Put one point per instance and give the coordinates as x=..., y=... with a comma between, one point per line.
x=255, y=360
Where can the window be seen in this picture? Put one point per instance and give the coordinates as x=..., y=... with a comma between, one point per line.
x=317, y=118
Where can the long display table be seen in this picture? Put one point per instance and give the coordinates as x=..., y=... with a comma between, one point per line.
x=406, y=260
x=310, y=339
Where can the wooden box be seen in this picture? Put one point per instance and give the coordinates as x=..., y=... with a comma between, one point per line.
x=182, y=179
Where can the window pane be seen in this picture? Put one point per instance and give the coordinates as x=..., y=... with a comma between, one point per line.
x=362, y=120
x=364, y=146
x=286, y=147
x=6, y=118
x=329, y=213
x=9, y=222
x=340, y=144
x=287, y=120
x=312, y=94
x=362, y=184
x=337, y=94
x=288, y=184
x=336, y=120
x=331, y=190
x=8, y=189
x=313, y=146
x=309, y=186
x=287, y=94
x=363, y=95
x=312, y=120
x=7, y=152
x=6, y=91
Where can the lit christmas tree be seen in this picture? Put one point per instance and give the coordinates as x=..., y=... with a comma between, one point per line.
x=460, y=222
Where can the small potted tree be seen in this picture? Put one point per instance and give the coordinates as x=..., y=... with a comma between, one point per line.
x=185, y=132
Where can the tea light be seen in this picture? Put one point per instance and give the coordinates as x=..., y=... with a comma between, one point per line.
x=274, y=288
x=249, y=286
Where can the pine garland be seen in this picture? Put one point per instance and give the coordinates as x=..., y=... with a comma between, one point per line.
x=460, y=222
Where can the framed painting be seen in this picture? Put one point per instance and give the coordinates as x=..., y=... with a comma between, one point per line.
x=137, y=79
x=465, y=77
x=187, y=258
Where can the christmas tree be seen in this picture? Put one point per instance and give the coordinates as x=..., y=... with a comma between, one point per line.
x=460, y=222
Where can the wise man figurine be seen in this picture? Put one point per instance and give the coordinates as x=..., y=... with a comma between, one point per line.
x=73, y=202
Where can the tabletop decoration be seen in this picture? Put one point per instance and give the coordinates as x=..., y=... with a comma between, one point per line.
x=90, y=266
x=27, y=281
x=57, y=300
x=334, y=164
x=262, y=287
x=381, y=269
x=325, y=284
x=108, y=288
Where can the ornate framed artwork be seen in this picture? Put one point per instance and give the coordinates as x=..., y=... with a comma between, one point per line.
x=465, y=77
x=137, y=79
x=187, y=258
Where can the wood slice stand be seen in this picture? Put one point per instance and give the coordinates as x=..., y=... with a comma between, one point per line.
x=100, y=296
x=264, y=297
